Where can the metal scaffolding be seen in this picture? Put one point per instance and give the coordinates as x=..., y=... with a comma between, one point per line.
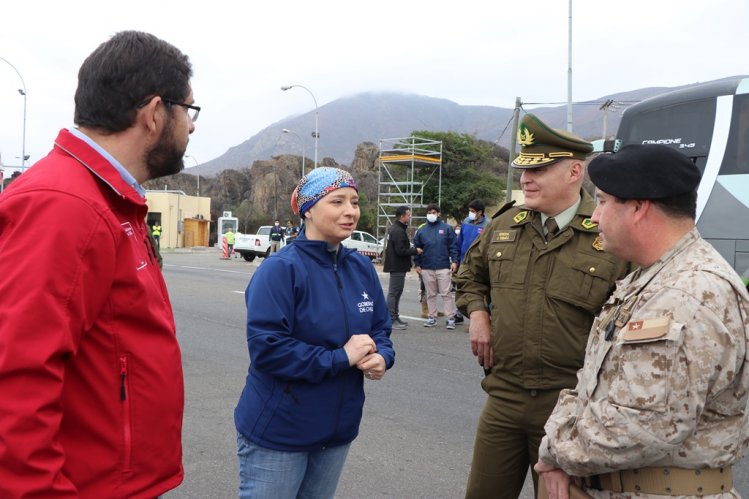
x=407, y=165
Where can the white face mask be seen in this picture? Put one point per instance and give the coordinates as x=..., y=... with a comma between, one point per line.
x=471, y=216
x=431, y=218
x=276, y=224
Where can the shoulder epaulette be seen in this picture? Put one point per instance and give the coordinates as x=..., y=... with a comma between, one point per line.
x=504, y=208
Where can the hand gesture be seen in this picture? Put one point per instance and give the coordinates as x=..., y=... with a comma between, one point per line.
x=359, y=346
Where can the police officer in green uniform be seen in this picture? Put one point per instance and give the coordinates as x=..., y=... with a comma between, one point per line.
x=531, y=285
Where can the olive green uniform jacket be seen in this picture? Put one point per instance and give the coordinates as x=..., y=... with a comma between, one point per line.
x=544, y=296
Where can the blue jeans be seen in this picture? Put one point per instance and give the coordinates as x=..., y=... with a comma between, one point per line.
x=271, y=474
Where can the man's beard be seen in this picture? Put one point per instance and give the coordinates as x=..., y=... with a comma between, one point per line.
x=165, y=158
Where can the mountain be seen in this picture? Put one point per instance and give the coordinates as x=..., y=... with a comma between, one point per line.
x=370, y=117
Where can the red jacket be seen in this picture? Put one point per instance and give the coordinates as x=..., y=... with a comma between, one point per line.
x=91, y=391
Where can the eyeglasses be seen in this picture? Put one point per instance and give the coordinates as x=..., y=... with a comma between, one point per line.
x=192, y=111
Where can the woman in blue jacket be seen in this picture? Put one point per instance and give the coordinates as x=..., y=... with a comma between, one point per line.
x=317, y=324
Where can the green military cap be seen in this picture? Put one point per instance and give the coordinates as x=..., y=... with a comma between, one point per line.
x=542, y=145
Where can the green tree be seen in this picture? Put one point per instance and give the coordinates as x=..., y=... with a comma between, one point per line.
x=368, y=211
x=471, y=169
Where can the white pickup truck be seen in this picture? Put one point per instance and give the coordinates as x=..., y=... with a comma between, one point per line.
x=252, y=245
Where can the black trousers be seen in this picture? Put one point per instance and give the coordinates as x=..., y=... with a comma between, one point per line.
x=395, y=290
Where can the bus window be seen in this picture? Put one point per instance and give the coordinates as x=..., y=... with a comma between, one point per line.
x=682, y=126
x=736, y=158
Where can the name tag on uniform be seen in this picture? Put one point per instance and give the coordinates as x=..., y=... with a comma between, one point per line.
x=504, y=236
x=647, y=329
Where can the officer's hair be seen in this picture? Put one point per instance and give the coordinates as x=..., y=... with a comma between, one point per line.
x=400, y=211
x=679, y=206
x=477, y=205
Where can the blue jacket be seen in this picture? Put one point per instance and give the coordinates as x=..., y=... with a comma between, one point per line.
x=302, y=307
x=469, y=231
x=439, y=244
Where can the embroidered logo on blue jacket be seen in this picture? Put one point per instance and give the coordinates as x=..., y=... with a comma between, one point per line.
x=366, y=305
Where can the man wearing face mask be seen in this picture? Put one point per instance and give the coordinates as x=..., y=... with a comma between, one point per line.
x=436, y=263
x=276, y=236
x=543, y=269
x=471, y=228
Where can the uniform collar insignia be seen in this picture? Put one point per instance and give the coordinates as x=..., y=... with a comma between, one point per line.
x=520, y=217
x=598, y=243
x=588, y=224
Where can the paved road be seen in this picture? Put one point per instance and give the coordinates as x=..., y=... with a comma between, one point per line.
x=419, y=421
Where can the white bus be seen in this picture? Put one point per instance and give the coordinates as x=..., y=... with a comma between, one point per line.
x=710, y=124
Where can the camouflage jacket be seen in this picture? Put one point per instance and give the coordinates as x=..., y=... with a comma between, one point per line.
x=670, y=385
x=544, y=295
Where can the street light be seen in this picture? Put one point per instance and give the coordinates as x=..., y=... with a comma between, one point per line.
x=21, y=91
x=316, y=135
x=286, y=130
x=198, y=175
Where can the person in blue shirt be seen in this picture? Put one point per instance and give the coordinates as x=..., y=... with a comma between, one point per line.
x=471, y=227
x=317, y=325
x=436, y=263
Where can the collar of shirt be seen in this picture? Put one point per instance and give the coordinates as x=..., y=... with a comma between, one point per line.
x=124, y=173
x=565, y=217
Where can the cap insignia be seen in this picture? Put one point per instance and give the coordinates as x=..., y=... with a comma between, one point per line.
x=520, y=217
x=525, y=136
x=588, y=224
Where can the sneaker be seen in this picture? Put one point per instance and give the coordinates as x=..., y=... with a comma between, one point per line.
x=400, y=322
x=450, y=324
x=397, y=325
x=459, y=318
x=431, y=322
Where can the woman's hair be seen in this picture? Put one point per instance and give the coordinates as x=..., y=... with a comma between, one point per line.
x=122, y=74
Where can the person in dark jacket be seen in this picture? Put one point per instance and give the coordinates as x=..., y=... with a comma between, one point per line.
x=398, y=262
x=317, y=325
x=276, y=236
x=437, y=262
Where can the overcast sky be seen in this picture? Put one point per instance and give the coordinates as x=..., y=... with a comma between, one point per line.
x=471, y=52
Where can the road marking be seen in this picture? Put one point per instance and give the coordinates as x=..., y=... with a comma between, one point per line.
x=207, y=268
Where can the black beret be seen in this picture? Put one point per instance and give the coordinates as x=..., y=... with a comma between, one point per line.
x=541, y=145
x=647, y=171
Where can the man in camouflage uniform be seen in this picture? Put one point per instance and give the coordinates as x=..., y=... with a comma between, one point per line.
x=660, y=408
x=543, y=284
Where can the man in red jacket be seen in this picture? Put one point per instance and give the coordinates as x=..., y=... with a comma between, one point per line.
x=91, y=390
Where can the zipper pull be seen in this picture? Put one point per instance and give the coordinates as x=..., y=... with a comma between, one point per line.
x=123, y=376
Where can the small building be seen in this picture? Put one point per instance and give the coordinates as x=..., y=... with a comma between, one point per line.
x=185, y=220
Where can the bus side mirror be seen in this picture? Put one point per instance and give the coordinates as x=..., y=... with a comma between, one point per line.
x=608, y=145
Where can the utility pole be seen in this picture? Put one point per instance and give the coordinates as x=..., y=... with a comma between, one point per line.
x=607, y=106
x=569, y=71
x=514, y=143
